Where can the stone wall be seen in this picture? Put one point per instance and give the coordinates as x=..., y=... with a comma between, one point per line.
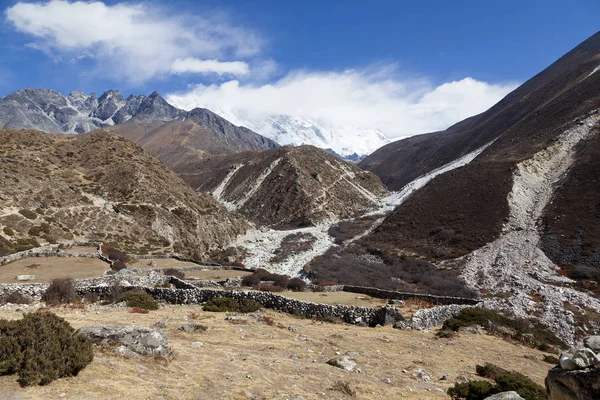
x=390, y=294
x=430, y=317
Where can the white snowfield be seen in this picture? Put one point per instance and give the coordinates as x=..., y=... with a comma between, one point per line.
x=261, y=244
x=513, y=265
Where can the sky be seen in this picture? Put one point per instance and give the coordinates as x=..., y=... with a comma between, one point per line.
x=402, y=67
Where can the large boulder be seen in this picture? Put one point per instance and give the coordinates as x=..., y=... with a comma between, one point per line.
x=577, y=377
x=140, y=340
x=583, y=384
x=505, y=396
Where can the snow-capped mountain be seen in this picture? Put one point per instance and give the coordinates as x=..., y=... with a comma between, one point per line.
x=48, y=110
x=298, y=130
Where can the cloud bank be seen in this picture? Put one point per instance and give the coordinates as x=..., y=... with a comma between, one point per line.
x=136, y=41
x=360, y=99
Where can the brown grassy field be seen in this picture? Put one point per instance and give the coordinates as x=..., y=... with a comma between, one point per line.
x=251, y=359
x=47, y=268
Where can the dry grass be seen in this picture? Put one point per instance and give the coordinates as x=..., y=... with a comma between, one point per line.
x=346, y=298
x=48, y=268
x=80, y=249
x=271, y=362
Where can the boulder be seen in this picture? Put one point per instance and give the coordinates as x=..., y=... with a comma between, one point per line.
x=343, y=362
x=505, y=396
x=592, y=343
x=25, y=277
x=582, y=384
x=578, y=358
x=140, y=340
x=191, y=327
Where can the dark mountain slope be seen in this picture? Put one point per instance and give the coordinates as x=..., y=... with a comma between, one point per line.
x=287, y=186
x=463, y=209
x=534, y=106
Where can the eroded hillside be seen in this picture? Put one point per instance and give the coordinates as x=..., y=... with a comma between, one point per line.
x=101, y=187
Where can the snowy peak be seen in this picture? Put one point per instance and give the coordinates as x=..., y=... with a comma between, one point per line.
x=299, y=130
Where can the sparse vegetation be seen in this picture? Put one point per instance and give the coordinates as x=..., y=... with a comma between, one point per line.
x=60, y=291
x=115, y=254
x=293, y=244
x=15, y=298
x=344, y=387
x=551, y=359
x=8, y=232
x=227, y=304
x=296, y=284
x=28, y=214
x=118, y=265
x=140, y=299
x=40, y=348
x=531, y=333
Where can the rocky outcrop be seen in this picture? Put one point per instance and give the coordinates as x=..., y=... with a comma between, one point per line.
x=577, y=377
x=430, y=317
x=505, y=396
x=140, y=340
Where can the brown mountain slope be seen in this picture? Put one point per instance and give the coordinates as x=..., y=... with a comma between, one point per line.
x=101, y=187
x=570, y=233
x=287, y=186
x=549, y=99
x=198, y=133
x=461, y=210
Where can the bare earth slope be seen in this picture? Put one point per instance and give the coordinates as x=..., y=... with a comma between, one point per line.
x=296, y=186
x=101, y=187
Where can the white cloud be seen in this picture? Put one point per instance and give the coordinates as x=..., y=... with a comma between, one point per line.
x=135, y=41
x=367, y=99
x=193, y=65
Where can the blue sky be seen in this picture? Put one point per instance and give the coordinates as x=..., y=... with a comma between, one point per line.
x=214, y=53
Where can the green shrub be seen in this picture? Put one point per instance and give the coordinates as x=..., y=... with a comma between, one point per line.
x=227, y=304
x=8, y=231
x=475, y=390
x=533, y=334
x=139, y=298
x=296, y=284
x=512, y=381
x=551, y=360
x=40, y=348
x=60, y=291
x=28, y=214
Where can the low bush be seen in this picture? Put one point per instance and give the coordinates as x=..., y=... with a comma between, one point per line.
x=60, y=291
x=268, y=288
x=177, y=273
x=114, y=254
x=296, y=284
x=344, y=387
x=118, y=265
x=8, y=231
x=227, y=304
x=139, y=298
x=551, y=360
x=15, y=298
x=505, y=381
x=40, y=348
x=28, y=214
x=533, y=334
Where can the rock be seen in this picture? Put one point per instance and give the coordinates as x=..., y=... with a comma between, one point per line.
x=423, y=376
x=578, y=358
x=397, y=302
x=160, y=324
x=197, y=345
x=25, y=277
x=343, y=362
x=505, y=396
x=140, y=340
x=592, y=343
x=583, y=384
x=191, y=327
x=390, y=315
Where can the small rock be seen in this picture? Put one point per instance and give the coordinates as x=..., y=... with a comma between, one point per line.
x=197, y=345
x=25, y=277
x=343, y=362
x=387, y=380
x=422, y=375
x=160, y=324
x=445, y=378
x=292, y=329
x=62, y=395
x=505, y=396
x=191, y=327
